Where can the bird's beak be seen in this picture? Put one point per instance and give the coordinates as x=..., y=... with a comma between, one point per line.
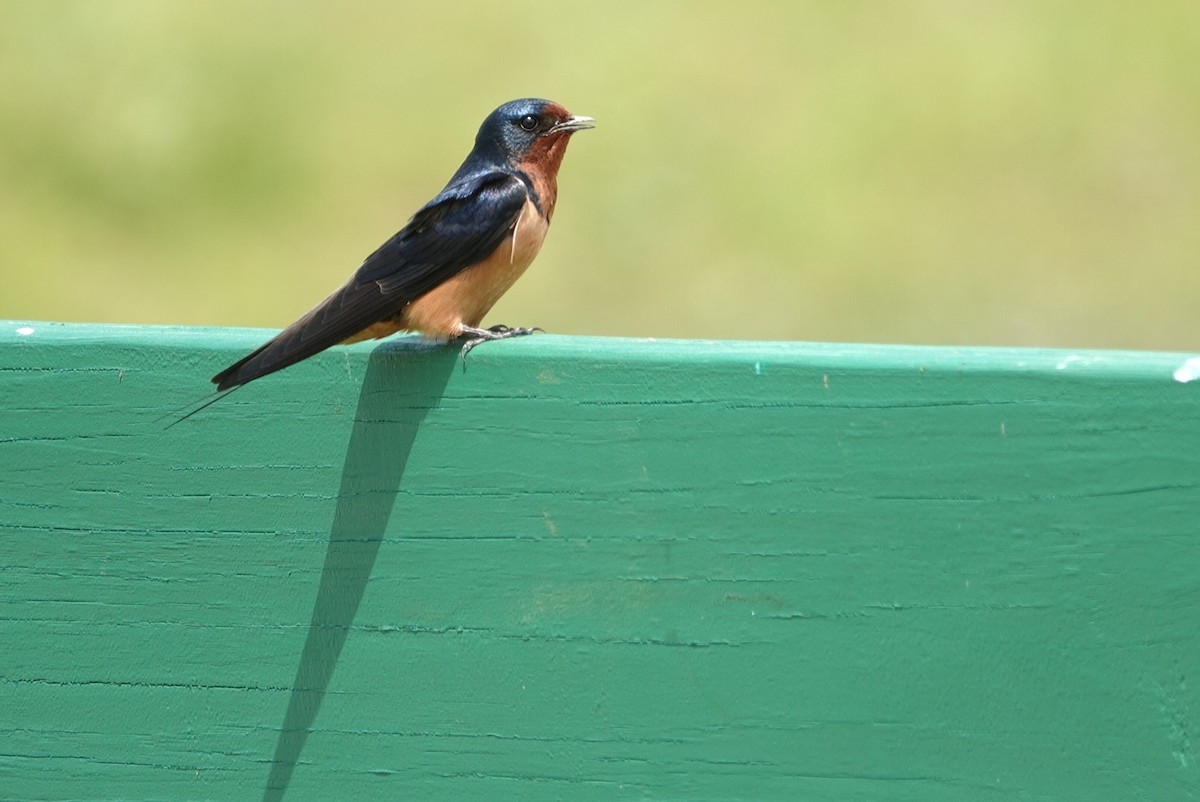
x=573, y=123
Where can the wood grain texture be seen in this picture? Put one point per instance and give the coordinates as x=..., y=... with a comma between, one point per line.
x=596, y=569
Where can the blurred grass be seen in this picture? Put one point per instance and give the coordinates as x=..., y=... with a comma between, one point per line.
x=1022, y=173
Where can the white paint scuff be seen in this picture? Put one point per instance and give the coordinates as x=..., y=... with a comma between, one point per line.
x=25, y=331
x=1064, y=364
x=1188, y=371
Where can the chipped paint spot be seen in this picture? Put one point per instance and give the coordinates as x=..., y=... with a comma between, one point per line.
x=758, y=369
x=25, y=331
x=1068, y=361
x=825, y=380
x=1188, y=371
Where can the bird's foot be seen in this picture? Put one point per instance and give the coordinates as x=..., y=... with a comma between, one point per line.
x=498, y=332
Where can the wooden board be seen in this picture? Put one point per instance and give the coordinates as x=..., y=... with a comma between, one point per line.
x=603, y=569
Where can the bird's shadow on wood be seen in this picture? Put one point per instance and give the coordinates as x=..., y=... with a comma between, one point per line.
x=404, y=380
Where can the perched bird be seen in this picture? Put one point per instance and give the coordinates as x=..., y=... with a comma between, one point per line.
x=442, y=272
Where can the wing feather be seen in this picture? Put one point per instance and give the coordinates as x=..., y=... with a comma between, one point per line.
x=459, y=228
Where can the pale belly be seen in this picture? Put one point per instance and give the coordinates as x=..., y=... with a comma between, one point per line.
x=465, y=298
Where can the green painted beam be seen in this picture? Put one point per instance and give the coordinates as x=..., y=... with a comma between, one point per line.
x=596, y=569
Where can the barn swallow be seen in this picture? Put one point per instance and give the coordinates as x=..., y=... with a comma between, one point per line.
x=440, y=274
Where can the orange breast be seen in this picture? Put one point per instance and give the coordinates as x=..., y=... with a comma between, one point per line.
x=465, y=298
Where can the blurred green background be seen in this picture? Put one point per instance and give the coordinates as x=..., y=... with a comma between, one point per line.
x=1021, y=173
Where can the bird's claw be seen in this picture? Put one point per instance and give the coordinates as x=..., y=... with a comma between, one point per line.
x=497, y=332
x=509, y=331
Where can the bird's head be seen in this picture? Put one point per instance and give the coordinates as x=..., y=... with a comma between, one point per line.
x=530, y=130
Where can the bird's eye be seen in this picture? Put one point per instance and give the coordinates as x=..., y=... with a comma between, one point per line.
x=529, y=122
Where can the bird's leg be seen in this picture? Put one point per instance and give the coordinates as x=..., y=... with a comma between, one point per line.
x=498, y=332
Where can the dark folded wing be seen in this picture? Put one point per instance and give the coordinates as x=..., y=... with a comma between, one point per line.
x=461, y=227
